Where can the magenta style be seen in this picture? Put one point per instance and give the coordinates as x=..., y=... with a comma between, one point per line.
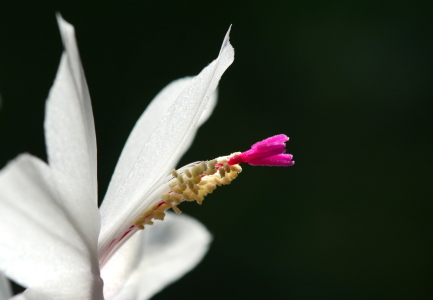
x=269, y=152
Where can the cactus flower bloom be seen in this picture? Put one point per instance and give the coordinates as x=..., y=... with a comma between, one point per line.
x=59, y=245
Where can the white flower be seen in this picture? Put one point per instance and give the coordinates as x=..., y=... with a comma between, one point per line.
x=55, y=241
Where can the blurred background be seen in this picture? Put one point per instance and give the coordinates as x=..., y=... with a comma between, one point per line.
x=351, y=83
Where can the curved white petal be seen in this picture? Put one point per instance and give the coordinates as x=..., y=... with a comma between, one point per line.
x=146, y=125
x=41, y=236
x=154, y=258
x=5, y=287
x=69, y=126
x=163, y=148
x=66, y=286
x=122, y=264
x=212, y=102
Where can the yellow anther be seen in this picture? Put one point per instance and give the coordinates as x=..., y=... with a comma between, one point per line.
x=218, y=181
x=210, y=171
x=177, y=189
x=147, y=212
x=226, y=180
x=184, y=196
x=176, y=209
x=211, y=164
x=175, y=197
x=222, y=160
x=174, y=173
x=236, y=168
x=187, y=195
x=194, y=190
x=164, y=206
x=196, y=171
x=210, y=188
x=196, y=179
x=203, y=181
x=233, y=175
x=182, y=186
x=158, y=215
x=193, y=185
x=190, y=184
x=140, y=221
x=199, y=199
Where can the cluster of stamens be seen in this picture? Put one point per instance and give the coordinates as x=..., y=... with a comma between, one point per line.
x=195, y=181
x=191, y=184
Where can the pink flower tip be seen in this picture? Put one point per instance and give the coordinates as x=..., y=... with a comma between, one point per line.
x=269, y=152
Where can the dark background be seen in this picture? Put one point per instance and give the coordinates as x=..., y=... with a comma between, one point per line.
x=350, y=83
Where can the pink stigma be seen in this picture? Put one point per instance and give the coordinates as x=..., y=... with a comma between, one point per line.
x=269, y=152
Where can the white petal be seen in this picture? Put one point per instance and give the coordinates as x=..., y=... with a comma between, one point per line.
x=41, y=237
x=5, y=287
x=163, y=148
x=69, y=126
x=146, y=125
x=66, y=286
x=155, y=257
x=122, y=264
x=204, y=116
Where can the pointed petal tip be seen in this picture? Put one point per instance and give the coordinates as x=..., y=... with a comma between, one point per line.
x=59, y=17
x=226, y=42
x=177, y=131
x=67, y=30
x=68, y=115
x=62, y=23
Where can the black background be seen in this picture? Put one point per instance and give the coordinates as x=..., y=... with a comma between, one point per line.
x=349, y=82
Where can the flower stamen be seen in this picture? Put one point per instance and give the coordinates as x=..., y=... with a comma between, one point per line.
x=191, y=184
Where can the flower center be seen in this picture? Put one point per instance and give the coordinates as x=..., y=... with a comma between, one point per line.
x=191, y=184
x=195, y=181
